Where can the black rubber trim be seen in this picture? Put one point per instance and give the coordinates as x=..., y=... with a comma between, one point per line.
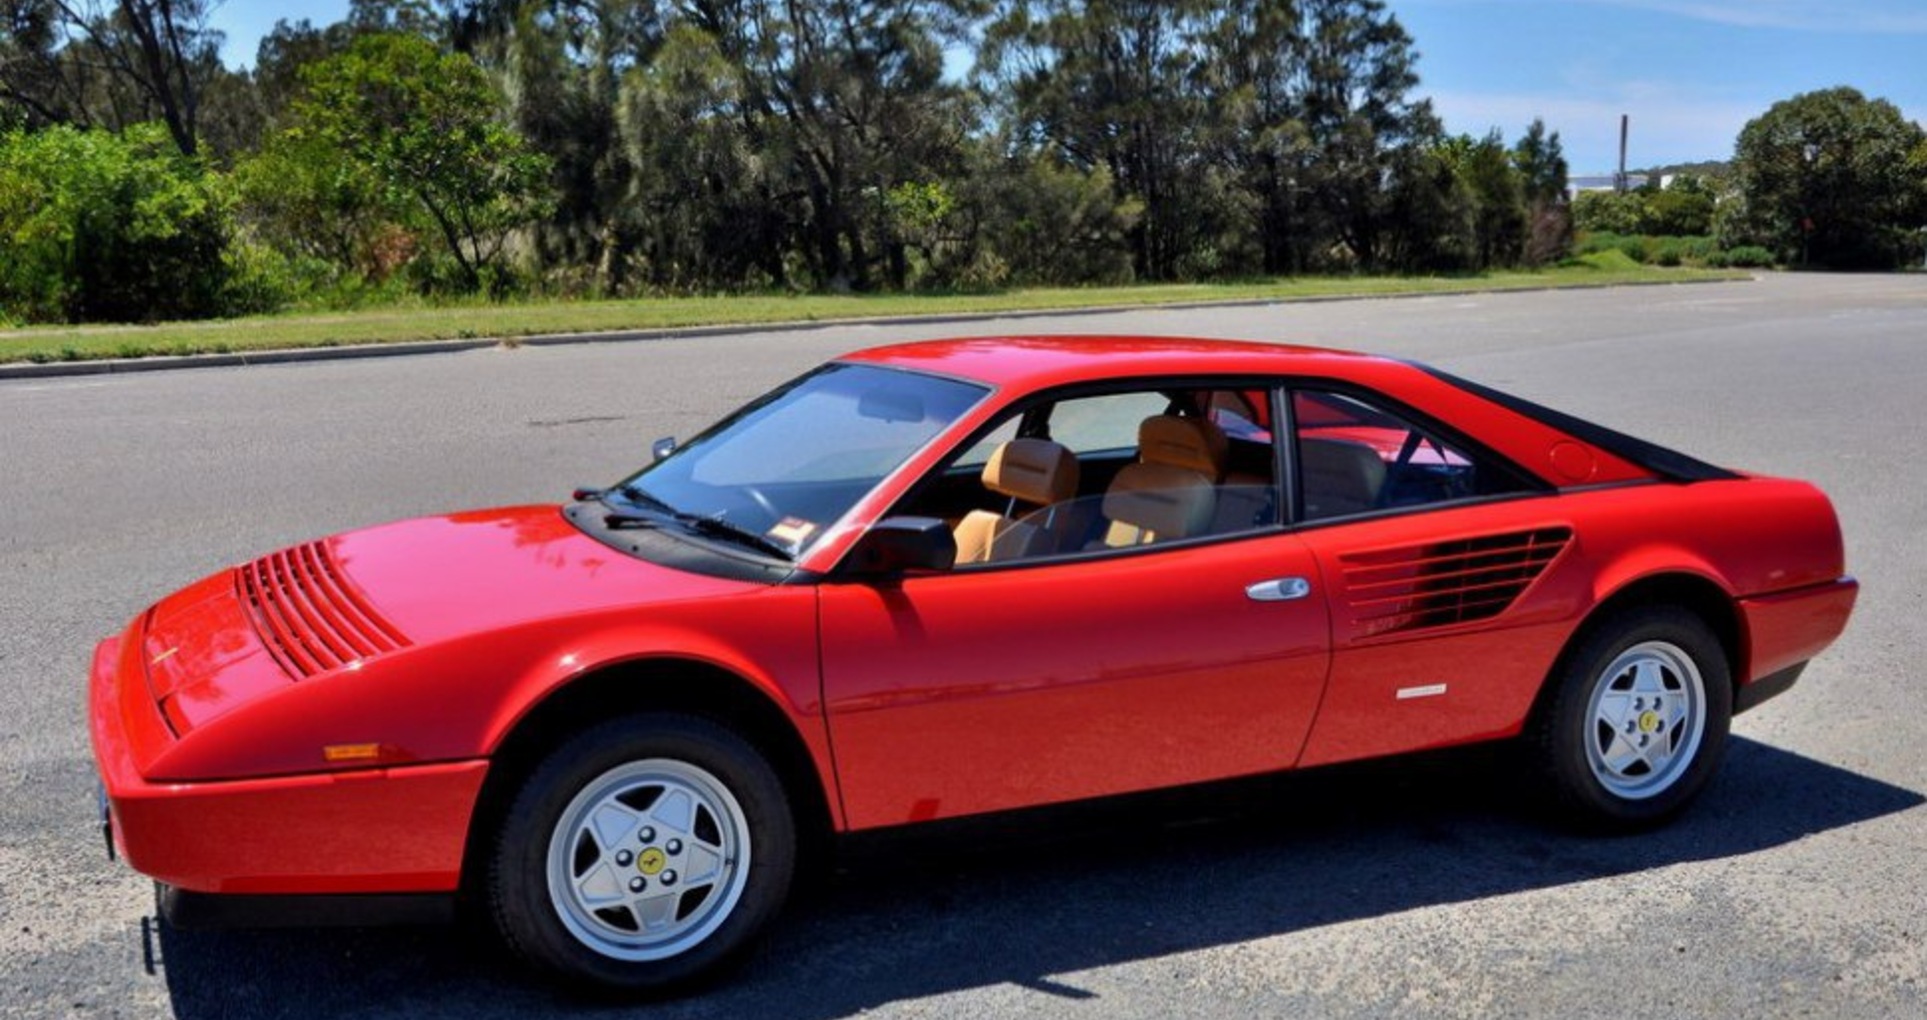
x=1667, y=463
x=189, y=910
x=668, y=547
x=1766, y=688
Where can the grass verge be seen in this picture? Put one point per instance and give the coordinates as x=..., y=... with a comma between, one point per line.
x=474, y=320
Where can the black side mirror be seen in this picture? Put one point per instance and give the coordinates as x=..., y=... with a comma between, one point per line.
x=903, y=545
x=662, y=447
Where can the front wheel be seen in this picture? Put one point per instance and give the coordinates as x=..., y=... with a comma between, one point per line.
x=1638, y=720
x=646, y=853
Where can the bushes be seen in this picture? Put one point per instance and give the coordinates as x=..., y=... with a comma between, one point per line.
x=1746, y=256
x=1674, y=251
x=99, y=226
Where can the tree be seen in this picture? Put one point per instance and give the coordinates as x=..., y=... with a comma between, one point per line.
x=699, y=197
x=1432, y=213
x=423, y=122
x=1541, y=162
x=304, y=196
x=1360, y=70
x=1107, y=85
x=95, y=63
x=1255, y=71
x=1681, y=209
x=848, y=98
x=1497, y=191
x=1827, y=180
x=562, y=64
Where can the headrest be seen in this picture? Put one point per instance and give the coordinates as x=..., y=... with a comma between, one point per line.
x=1033, y=470
x=1183, y=442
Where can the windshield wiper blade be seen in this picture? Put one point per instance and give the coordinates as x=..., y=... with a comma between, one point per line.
x=617, y=518
x=712, y=526
x=717, y=527
x=642, y=497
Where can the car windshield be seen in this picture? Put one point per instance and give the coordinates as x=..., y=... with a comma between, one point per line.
x=778, y=472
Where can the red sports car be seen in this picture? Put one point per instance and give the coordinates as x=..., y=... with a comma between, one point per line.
x=935, y=580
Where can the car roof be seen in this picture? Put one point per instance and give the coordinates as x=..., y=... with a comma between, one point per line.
x=1036, y=362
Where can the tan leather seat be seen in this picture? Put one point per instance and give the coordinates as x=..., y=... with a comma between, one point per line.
x=1035, y=471
x=1245, y=501
x=1171, y=492
x=1341, y=476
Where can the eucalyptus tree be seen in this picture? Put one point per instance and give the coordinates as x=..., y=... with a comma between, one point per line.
x=1360, y=69
x=561, y=64
x=850, y=99
x=1540, y=159
x=95, y=63
x=1112, y=85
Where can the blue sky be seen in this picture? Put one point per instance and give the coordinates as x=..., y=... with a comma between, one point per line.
x=1689, y=72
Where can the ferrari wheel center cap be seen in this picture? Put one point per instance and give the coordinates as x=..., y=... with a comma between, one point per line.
x=1649, y=721
x=651, y=861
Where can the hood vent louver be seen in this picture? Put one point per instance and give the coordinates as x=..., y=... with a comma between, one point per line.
x=1440, y=584
x=311, y=619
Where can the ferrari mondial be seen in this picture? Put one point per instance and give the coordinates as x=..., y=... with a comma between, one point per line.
x=935, y=580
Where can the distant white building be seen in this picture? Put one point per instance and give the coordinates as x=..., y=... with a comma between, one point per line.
x=1606, y=182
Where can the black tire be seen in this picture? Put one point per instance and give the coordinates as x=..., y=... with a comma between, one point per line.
x=651, y=766
x=1637, y=668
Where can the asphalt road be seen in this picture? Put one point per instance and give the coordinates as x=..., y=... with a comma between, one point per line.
x=1797, y=887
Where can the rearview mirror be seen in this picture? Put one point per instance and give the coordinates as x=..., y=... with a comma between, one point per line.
x=903, y=545
x=662, y=447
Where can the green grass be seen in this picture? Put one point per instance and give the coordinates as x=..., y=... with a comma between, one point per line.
x=477, y=319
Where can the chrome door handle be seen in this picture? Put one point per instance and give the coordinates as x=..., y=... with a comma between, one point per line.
x=1282, y=589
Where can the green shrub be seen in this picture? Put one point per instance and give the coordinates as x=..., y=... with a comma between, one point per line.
x=1613, y=260
x=97, y=226
x=1750, y=256
x=1636, y=249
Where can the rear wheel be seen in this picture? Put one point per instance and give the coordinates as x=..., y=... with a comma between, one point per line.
x=643, y=854
x=1638, y=720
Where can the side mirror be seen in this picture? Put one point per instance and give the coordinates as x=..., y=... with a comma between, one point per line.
x=662, y=447
x=903, y=545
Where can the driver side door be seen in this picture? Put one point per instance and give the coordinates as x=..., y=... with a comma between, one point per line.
x=1082, y=674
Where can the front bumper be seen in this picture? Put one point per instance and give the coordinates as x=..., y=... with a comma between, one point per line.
x=106, y=819
x=378, y=830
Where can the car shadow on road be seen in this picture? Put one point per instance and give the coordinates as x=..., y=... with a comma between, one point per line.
x=1020, y=900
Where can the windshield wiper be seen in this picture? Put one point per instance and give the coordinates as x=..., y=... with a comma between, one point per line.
x=711, y=526
x=716, y=527
x=635, y=494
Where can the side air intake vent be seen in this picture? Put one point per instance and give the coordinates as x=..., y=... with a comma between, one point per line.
x=308, y=615
x=1444, y=583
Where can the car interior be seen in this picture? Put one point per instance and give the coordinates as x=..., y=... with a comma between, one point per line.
x=1095, y=473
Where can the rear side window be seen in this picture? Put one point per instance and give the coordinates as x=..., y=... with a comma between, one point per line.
x=1355, y=457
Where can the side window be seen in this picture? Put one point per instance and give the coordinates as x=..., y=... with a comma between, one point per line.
x=1108, y=471
x=1355, y=457
x=1110, y=422
x=979, y=452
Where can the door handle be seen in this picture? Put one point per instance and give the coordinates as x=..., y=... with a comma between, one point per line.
x=1282, y=589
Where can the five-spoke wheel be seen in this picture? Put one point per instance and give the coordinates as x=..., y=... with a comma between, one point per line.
x=644, y=853
x=1636, y=722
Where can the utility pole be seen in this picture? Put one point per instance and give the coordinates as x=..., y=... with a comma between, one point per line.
x=1619, y=179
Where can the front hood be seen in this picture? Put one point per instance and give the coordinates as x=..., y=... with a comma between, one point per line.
x=339, y=603
x=440, y=577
